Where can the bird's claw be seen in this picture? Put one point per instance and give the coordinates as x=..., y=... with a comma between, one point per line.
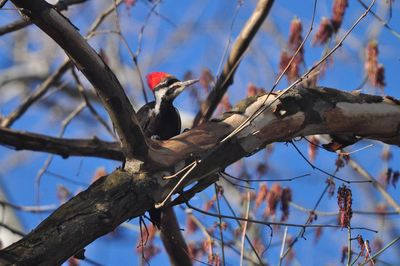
x=155, y=137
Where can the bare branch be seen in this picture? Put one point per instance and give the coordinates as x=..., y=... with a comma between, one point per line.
x=36, y=95
x=239, y=48
x=384, y=23
x=96, y=71
x=14, y=26
x=361, y=171
x=63, y=147
x=172, y=238
x=22, y=23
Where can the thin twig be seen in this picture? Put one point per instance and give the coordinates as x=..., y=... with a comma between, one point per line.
x=381, y=251
x=360, y=170
x=209, y=237
x=220, y=223
x=139, y=49
x=244, y=228
x=228, y=41
x=48, y=161
x=96, y=115
x=269, y=224
x=12, y=230
x=238, y=50
x=102, y=17
x=384, y=23
x=75, y=182
x=234, y=184
x=202, y=228
x=14, y=26
x=355, y=260
x=162, y=16
x=32, y=209
x=297, y=51
x=51, y=80
x=335, y=213
x=108, y=87
x=240, y=226
x=348, y=245
x=264, y=107
x=325, y=172
x=36, y=95
x=308, y=222
x=283, y=246
x=264, y=180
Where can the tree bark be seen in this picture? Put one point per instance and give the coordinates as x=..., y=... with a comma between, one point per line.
x=120, y=196
x=172, y=239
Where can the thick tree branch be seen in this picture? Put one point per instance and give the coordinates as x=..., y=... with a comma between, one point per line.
x=114, y=197
x=96, y=71
x=173, y=240
x=120, y=196
x=63, y=147
x=239, y=48
x=22, y=23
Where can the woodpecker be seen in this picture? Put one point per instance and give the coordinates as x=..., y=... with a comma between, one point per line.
x=160, y=119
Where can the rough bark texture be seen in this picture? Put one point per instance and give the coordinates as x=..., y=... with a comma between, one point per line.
x=92, y=213
x=121, y=196
x=172, y=239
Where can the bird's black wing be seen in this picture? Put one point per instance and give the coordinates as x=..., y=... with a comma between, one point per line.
x=143, y=116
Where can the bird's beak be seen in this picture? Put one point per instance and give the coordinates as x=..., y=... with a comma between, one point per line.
x=181, y=86
x=189, y=82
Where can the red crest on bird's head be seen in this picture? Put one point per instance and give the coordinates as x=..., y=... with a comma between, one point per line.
x=154, y=78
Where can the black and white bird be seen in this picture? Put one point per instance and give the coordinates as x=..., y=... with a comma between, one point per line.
x=160, y=119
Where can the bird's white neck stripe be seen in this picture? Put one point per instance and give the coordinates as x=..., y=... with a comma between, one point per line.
x=159, y=94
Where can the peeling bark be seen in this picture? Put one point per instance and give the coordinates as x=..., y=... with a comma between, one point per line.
x=121, y=196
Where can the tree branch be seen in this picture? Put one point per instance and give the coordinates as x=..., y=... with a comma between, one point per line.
x=22, y=23
x=96, y=71
x=239, y=48
x=120, y=196
x=36, y=95
x=63, y=147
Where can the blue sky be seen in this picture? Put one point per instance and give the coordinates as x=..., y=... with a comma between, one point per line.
x=204, y=28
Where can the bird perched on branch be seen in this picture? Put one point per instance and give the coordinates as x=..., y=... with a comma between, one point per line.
x=160, y=119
